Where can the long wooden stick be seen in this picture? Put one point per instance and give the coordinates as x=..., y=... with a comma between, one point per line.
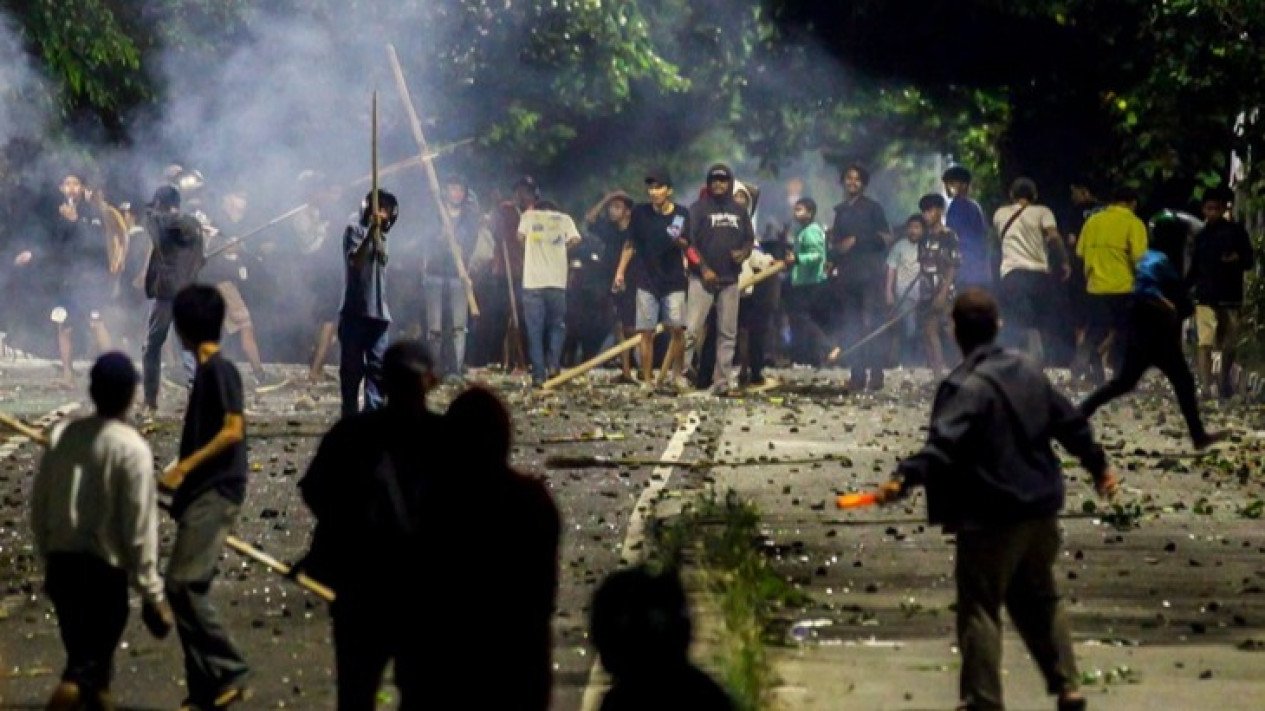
x=237, y=544
x=389, y=170
x=450, y=233
x=631, y=342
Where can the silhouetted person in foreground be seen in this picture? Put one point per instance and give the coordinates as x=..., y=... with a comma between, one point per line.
x=367, y=487
x=993, y=481
x=501, y=575
x=641, y=627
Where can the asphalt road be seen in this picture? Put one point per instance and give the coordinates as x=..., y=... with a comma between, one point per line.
x=1180, y=575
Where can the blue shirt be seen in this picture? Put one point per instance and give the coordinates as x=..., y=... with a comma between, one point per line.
x=365, y=283
x=1155, y=277
x=966, y=219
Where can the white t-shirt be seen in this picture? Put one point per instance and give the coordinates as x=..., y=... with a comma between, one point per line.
x=903, y=257
x=1023, y=245
x=546, y=235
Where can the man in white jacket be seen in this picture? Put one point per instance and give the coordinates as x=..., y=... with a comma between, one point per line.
x=94, y=515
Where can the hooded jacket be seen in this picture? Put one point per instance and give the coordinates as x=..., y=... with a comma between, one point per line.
x=988, y=459
x=178, y=253
x=719, y=226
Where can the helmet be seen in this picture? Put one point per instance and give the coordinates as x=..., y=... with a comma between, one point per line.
x=385, y=200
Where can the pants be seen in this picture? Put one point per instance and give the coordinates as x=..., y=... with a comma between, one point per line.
x=493, y=324
x=1108, y=315
x=160, y=318
x=546, y=312
x=861, y=305
x=1010, y=565
x=90, y=598
x=809, y=320
x=363, y=343
x=212, y=662
x=1217, y=328
x=366, y=637
x=451, y=288
x=755, y=316
x=1154, y=341
x=698, y=303
x=591, y=317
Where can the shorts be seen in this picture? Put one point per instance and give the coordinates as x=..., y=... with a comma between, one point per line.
x=1216, y=326
x=624, y=304
x=84, y=303
x=236, y=315
x=651, y=310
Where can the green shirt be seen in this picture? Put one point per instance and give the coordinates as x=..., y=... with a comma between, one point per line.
x=810, y=256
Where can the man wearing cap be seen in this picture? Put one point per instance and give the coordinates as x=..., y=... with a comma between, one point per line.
x=721, y=237
x=94, y=516
x=659, y=232
x=965, y=218
x=177, y=257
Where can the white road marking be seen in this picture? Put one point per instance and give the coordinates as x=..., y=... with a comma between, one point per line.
x=15, y=442
x=635, y=538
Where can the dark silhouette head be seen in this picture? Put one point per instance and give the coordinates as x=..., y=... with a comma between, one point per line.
x=640, y=621
x=976, y=320
x=113, y=384
x=198, y=312
x=480, y=422
x=408, y=373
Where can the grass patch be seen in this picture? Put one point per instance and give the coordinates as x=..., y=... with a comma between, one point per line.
x=717, y=542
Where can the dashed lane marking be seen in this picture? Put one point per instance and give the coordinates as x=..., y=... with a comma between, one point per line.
x=635, y=537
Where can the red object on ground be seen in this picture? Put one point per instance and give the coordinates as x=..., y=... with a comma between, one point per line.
x=852, y=501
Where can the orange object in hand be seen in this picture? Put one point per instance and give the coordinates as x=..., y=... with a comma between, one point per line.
x=852, y=501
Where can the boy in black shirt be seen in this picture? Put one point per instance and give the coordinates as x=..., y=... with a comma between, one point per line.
x=659, y=234
x=209, y=485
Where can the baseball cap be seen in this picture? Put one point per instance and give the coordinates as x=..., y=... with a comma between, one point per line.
x=660, y=176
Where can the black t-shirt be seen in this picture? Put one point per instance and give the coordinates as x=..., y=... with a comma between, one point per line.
x=863, y=219
x=654, y=238
x=613, y=239
x=217, y=391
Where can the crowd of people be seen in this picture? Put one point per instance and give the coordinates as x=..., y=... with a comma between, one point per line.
x=858, y=294
x=547, y=291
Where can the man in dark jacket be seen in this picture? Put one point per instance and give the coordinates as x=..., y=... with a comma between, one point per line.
x=721, y=238
x=858, y=242
x=365, y=488
x=1223, y=254
x=994, y=481
x=443, y=280
x=174, y=263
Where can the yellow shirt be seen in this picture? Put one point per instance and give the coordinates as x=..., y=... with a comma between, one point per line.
x=1111, y=244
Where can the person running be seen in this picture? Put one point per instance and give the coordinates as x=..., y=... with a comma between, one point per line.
x=94, y=516
x=1154, y=336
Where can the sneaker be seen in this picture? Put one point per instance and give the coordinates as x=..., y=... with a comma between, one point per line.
x=266, y=382
x=66, y=697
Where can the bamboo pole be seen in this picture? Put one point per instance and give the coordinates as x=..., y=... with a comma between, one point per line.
x=37, y=436
x=450, y=234
x=630, y=343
